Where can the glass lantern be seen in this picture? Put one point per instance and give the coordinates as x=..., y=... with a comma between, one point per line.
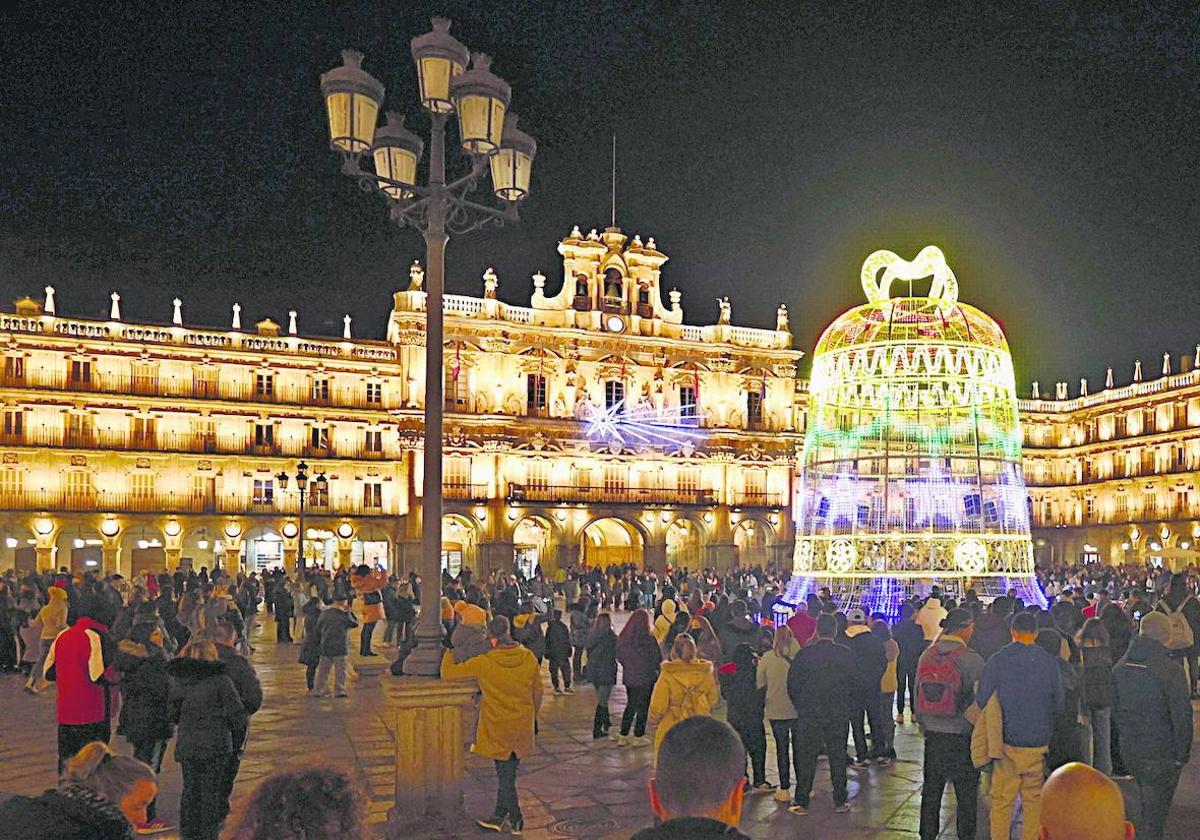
x=513, y=164
x=481, y=98
x=397, y=151
x=352, y=99
x=440, y=58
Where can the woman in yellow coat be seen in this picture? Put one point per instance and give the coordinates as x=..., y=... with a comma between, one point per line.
x=511, y=683
x=685, y=688
x=369, y=586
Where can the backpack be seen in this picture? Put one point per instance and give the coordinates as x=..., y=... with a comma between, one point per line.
x=694, y=703
x=1181, y=629
x=939, y=683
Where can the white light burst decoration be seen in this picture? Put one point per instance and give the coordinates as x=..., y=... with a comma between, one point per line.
x=622, y=423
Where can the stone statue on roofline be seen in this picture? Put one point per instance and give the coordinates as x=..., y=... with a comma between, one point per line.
x=725, y=310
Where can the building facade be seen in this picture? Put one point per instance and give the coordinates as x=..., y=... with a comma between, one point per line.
x=592, y=426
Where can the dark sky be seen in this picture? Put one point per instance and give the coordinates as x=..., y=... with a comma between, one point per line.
x=166, y=149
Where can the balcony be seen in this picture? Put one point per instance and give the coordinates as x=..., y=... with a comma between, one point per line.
x=759, y=498
x=464, y=492
x=53, y=501
x=573, y=494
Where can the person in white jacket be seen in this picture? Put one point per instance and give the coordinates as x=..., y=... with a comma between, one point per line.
x=930, y=616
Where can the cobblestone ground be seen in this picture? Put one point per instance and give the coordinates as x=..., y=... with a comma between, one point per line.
x=574, y=788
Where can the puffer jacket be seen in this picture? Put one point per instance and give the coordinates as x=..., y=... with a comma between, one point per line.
x=683, y=690
x=68, y=814
x=639, y=661
x=206, y=708
x=742, y=631
x=1097, y=677
x=1153, y=707
x=53, y=616
x=145, y=692
x=602, y=658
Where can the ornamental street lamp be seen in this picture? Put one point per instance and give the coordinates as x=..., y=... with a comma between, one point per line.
x=489, y=136
x=319, y=484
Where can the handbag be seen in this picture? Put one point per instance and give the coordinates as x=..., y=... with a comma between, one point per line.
x=372, y=599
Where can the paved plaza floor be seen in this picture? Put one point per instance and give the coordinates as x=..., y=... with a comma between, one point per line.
x=574, y=787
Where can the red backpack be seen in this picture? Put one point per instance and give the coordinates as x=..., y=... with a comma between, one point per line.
x=939, y=683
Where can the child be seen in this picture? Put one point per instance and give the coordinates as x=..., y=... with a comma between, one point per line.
x=558, y=651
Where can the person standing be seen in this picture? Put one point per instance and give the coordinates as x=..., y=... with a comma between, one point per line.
x=772, y=678
x=53, y=620
x=283, y=609
x=1029, y=686
x=886, y=743
x=205, y=708
x=870, y=663
x=333, y=633
x=820, y=690
x=943, y=696
x=739, y=684
x=310, y=648
x=1097, y=694
x=911, y=639
x=145, y=693
x=930, y=616
x=249, y=690
x=685, y=688
x=602, y=671
x=368, y=585
x=1155, y=715
x=78, y=661
x=391, y=611
x=640, y=657
x=511, y=683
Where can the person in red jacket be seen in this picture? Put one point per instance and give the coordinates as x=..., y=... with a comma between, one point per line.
x=79, y=660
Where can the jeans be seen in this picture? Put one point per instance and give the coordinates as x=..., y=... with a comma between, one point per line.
x=283, y=629
x=906, y=684
x=866, y=704
x=754, y=739
x=603, y=692
x=577, y=664
x=885, y=744
x=787, y=747
x=364, y=639
x=338, y=664
x=1021, y=770
x=310, y=674
x=390, y=631
x=815, y=735
x=1156, y=780
x=560, y=666
x=1097, y=740
x=948, y=759
x=72, y=737
x=637, y=706
x=200, y=804
x=507, y=804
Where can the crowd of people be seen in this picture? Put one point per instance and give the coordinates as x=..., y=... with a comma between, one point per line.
x=1095, y=688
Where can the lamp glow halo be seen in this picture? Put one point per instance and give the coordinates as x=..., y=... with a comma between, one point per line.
x=912, y=457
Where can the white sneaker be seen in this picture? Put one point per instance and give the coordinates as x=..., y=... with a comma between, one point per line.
x=622, y=741
x=783, y=795
x=640, y=741
x=557, y=690
x=568, y=690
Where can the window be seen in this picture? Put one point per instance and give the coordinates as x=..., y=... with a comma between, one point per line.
x=616, y=478
x=535, y=394
x=14, y=368
x=80, y=372
x=142, y=485
x=79, y=483
x=12, y=483
x=320, y=389
x=318, y=438
x=457, y=395
x=972, y=505
x=264, y=491
x=318, y=494
x=204, y=381
x=373, y=441
x=79, y=429
x=614, y=394
x=754, y=408
x=538, y=474
x=144, y=429
x=14, y=423
x=1122, y=504
x=687, y=403
x=374, y=393
x=456, y=472
x=689, y=480
x=754, y=484
x=372, y=494
x=264, y=434
x=264, y=385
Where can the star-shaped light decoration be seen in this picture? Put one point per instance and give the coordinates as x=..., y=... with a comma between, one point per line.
x=628, y=424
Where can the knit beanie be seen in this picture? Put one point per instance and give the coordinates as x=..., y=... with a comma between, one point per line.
x=1157, y=626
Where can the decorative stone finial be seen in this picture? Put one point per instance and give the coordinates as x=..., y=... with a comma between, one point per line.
x=575, y=233
x=1037, y=392
x=675, y=296
x=637, y=241
x=237, y=317
x=1137, y=371
x=1108, y=379
x=1060, y=390
x=490, y=282
x=1083, y=391
x=539, y=281
x=650, y=243
x=346, y=327
x=416, y=276
x=593, y=236
x=177, y=314
x=291, y=322
x=1166, y=370
x=49, y=306
x=725, y=310
x=781, y=319
x=114, y=311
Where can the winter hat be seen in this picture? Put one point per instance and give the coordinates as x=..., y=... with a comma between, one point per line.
x=471, y=614
x=1157, y=626
x=956, y=619
x=856, y=616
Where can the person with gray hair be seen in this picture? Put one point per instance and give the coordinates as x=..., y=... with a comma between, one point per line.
x=1154, y=715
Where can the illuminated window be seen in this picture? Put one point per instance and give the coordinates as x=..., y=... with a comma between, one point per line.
x=204, y=381
x=689, y=480
x=687, y=403
x=535, y=394
x=264, y=385
x=141, y=485
x=79, y=429
x=12, y=483
x=320, y=389
x=616, y=477
x=79, y=484
x=318, y=494
x=80, y=372
x=14, y=368
x=754, y=408
x=614, y=394
x=145, y=432
x=456, y=393
x=374, y=393
x=264, y=492
x=456, y=472
x=318, y=438
x=374, y=440
x=372, y=495
x=537, y=474
x=264, y=434
x=14, y=423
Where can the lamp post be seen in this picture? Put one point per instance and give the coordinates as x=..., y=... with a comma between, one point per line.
x=489, y=136
x=320, y=483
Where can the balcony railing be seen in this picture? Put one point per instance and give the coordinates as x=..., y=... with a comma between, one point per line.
x=758, y=498
x=166, y=502
x=573, y=494
x=461, y=491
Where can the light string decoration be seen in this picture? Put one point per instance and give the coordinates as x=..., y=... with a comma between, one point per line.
x=626, y=424
x=911, y=465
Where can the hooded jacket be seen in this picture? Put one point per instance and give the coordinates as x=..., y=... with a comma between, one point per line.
x=690, y=828
x=742, y=631
x=929, y=617
x=870, y=660
x=77, y=661
x=245, y=681
x=1154, y=711
x=662, y=624
x=145, y=691
x=683, y=690
x=602, y=658
x=53, y=616
x=206, y=707
x=511, y=682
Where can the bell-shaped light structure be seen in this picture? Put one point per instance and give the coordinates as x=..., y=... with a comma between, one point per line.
x=481, y=99
x=397, y=151
x=513, y=164
x=440, y=58
x=352, y=100
x=912, y=458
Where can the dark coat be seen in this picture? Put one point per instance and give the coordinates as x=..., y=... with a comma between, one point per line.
x=1097, y=677
x=558, y=641
x=206, y=707
x=602, y=658
x=244, y=678
x=746, y=701
x=310, y=651
x=333, y=629
x=991, y=634
x=819, y=682
x=145, y=690
x=870, y=661
x=61, y=817
x=639, y=660
x=742, y=631
x=690, y=828
x=282, y=603
x=1153, y=707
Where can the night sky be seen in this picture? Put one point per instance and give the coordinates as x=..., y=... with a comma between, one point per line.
x=163, y=149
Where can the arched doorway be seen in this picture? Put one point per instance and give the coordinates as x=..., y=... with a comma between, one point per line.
x=262, y=549
x=142, y=551
x=458, y=543
x=610, y=541
x=532, y=540
x=372, y=547
x=750, y=539
x=18, y=549
x=80, y=549
x=202, y=548
x=684, y=545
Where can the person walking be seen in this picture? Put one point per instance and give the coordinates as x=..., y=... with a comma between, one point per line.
x=310, y=647
x=145, y=719
x=53, y=620
x=943, y=696
x=640, y=658
x=602, y=671
x=249, y=690
x=333, y=633
x=1097, y=694
x=820, y=690
x=772, y=679
x=911, y=638
x=685, y=688
x=283, y=609
x=368, y=585
x=510, y=680
x=558, y=651
x=206, y=710
x=1029, y=686
x=78, y=661
x=870, y=662
x=1154, y=712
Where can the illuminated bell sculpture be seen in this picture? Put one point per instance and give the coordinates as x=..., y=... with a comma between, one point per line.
x=911, y=473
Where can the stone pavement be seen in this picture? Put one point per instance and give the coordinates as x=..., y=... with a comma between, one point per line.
x=573, y=788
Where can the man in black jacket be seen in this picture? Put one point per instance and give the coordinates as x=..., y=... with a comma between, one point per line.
x=249, y=690
x=741, y=630
x=819, y=687
x=1154, y=716
x=870, y=662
